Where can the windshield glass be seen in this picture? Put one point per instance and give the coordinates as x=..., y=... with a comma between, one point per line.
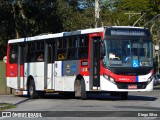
x=129, y=53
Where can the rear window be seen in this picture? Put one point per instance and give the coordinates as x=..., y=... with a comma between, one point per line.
x=13, y=54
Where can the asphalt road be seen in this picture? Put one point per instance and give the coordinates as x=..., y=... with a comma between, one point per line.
x=141, y=105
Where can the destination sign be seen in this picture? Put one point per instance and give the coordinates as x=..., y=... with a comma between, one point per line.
x=128, y=32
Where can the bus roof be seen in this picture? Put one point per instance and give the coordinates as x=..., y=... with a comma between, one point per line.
x=63, y=34
x=125, y=27
x=56, y=35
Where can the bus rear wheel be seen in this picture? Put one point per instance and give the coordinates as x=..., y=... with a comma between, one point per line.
x=83, y=90
x=31, y=90
x=80, y=89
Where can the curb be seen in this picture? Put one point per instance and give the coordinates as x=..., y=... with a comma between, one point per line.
x=11, y=99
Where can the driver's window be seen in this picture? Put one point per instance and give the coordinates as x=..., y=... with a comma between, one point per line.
x=134, y=51
x=114, y=50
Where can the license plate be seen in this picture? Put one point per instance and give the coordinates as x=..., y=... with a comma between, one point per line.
x=132, y=86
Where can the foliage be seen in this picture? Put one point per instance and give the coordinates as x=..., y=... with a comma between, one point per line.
x=121, y=13
x=24, y=18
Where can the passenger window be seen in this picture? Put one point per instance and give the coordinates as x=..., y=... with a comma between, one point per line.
x=61, y=49
x=35, y=51
x=83, y=47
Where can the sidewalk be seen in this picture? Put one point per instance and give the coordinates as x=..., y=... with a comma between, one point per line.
x=12, y=99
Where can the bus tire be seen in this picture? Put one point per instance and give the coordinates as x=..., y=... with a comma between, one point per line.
x=80, y=89
x=83, y=90
x=77, y=89
x=124, y=95
x=31, y=90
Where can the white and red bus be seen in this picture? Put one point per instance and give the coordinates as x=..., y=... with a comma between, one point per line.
x=115, y=59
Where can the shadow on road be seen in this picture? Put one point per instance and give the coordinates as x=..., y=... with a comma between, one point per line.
x=105, y=97
x=22, y=101
x=139, y=107
x=142, y=98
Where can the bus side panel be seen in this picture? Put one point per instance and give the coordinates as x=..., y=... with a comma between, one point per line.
x=86, y=78
x=11, y=69
x=36, y=70
x=84, y=67
x=66, y=72
x=12, y=75
x=65, y=75
x=85, y=72
x=12, y=82
x=22, y=71
x=11, y=72
x=70, y=70
x=58, y=76
x=68, y=83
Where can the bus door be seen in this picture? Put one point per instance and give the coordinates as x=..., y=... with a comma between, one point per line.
x=49, y=69
x=95, y=62
x=20, y=67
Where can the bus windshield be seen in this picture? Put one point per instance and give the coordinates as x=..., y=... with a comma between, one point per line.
x=128, y=53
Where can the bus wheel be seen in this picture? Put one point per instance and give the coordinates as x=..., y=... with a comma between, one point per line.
x=80, y=90
x=77, y=88
x=83, y=90
x=124, y=95
x=31, y=90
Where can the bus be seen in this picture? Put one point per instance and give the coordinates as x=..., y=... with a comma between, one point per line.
x=111, y=59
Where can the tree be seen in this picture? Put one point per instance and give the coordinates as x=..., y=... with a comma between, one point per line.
x=24, y=18
x=6, y=26
x=27, y=18
x=120, y=7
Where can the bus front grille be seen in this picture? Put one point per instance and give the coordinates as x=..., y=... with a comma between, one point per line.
x=140, y=85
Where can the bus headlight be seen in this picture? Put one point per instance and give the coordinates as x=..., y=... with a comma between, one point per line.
x=109, y=78
x=105, y=76
x=112, y=80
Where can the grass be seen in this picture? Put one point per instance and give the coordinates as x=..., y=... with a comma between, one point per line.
x=4, y=106
x=3, y=90
x=2, y=78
